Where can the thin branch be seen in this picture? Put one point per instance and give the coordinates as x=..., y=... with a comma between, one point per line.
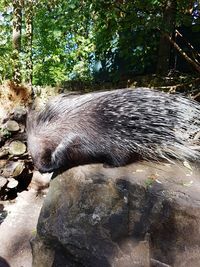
x=189, y=45
x=182, y=53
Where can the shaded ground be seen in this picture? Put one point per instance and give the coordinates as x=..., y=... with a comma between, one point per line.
x=18, y=227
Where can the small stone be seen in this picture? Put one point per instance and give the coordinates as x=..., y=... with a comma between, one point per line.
x=13, y=168
x=19, y=167
x=3, y=181
x=12, y=183
x=17, y=148
x=12, y=126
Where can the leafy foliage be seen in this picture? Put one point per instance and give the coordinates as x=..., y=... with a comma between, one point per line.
x=5, y=41
x=90, y=39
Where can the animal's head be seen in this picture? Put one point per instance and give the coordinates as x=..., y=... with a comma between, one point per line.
x=41, y=150
x=40, y=145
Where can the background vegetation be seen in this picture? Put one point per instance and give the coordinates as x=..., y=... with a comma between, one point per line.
x=52, y=42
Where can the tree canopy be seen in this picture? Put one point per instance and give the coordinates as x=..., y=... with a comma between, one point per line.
x=98, y=40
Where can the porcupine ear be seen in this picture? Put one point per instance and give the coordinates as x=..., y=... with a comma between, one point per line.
x=67, y=151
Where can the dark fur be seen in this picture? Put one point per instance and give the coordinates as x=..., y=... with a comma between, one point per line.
x=114, y=128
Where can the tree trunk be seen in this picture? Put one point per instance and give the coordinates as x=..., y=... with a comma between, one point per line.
x=17, y=27
x=29, y=40
x=165, y=47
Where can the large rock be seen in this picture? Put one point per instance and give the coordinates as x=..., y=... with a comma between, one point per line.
x=140, y=215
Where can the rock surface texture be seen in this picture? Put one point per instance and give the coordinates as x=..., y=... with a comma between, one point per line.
x=140, y=215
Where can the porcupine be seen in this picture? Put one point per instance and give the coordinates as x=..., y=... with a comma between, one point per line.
x=113, y=127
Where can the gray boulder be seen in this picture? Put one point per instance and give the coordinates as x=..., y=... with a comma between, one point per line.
x=140, y=215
